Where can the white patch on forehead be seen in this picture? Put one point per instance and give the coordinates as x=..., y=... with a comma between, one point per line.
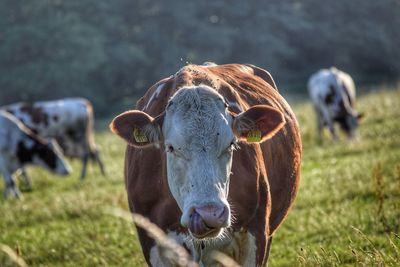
x=196, y=102
x=154, y=96
x=198, y=114
x=199, y=100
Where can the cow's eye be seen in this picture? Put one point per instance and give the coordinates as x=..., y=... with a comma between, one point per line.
x=170, y=149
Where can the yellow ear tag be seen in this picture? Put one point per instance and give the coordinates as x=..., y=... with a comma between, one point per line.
x=254, y=136
x=139, y=136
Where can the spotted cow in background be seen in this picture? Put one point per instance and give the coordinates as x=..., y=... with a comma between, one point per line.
x=214, y=160
x=69, y=121
x=19, y=146
x=333, y=93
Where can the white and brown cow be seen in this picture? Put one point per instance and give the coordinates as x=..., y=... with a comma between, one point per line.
x=19, y=146
x=69, y=121
x=333, y=93
x=214, y=160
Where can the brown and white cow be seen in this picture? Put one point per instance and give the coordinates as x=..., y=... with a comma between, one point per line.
x=214, y=160
x=69, y=121
x=19, y=146
x=333, y=94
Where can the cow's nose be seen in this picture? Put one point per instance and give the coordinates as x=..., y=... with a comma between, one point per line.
x=213, y=216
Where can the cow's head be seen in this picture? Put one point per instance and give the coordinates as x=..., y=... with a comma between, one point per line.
x=349, y=122
x=49, y=155
x=199, y=135
x=346, y=116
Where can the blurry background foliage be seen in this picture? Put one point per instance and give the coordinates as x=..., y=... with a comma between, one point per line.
x=112, y=51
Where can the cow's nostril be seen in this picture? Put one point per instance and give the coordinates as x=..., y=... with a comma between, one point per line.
x=213, y=216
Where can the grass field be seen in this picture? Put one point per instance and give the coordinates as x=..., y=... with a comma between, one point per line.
x=347, y=211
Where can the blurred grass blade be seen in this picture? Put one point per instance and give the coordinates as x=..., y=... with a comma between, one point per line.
x=174, y=252
x=375, y=249
x=223, y=259
x=13, y=256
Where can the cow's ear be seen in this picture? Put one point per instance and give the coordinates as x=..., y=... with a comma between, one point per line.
x=257, y=124
x=138, y=128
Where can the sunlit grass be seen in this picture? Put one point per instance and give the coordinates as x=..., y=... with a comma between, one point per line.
x=347, y=211
x=62, y=221
x=335, y=221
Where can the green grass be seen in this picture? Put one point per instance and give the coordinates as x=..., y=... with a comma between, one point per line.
x=347, y=211
x=336, y=219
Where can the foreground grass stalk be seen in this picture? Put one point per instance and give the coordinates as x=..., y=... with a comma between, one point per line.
x=174, y=252
x=374, y=248
x=379, y=190
x=13, y=256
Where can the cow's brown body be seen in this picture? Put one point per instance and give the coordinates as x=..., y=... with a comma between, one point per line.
x=265, y=178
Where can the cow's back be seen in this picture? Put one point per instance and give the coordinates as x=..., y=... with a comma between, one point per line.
x=69, y=121
x=50, y=118
x=64, y=115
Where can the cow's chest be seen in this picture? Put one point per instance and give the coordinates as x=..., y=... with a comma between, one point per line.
x=239, y=246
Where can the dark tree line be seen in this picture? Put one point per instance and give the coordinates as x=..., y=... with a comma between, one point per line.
x=112, y=51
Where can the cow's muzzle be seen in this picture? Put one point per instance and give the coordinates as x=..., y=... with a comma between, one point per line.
x=207, y=221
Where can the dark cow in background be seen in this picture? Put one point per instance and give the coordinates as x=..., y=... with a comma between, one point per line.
x=333, y=93
x=19, y=146
x=214, y=160
x=69, y=121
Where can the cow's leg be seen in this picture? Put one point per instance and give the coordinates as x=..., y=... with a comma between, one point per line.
x=85, y=159
x=97, y=158
x=327, y=118
x=320, y=123
x=332, y=130
x=27, y=181
x=10, y=185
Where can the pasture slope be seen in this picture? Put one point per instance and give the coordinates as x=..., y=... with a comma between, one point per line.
x=347, y=211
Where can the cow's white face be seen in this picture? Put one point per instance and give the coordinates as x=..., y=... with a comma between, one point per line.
x=199, y=143
x=199, y=135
